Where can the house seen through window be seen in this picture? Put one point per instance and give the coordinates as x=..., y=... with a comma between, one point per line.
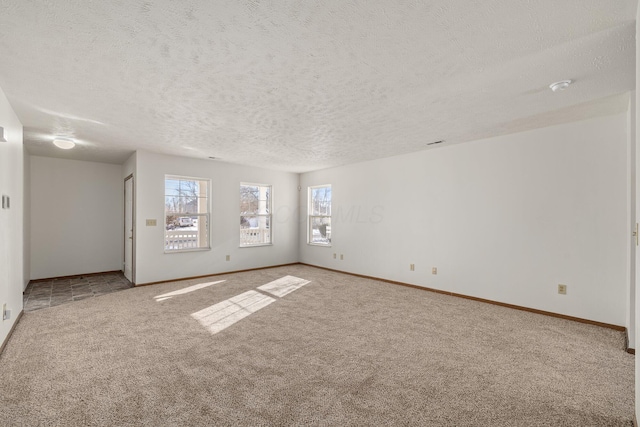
x=319, y=215
x=255, y=214
x=186, y=205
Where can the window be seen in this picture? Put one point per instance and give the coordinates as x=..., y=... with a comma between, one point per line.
x=255, y=214
x=320, y=215
x=186, y=208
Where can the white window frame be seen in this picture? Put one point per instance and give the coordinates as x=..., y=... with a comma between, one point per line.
x=268, y=216
x=206, y=216
x=311, y=215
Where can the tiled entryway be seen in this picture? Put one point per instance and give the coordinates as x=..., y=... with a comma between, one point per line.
x=49, y=293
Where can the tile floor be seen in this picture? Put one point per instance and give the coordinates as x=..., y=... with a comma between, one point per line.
x=49, y=293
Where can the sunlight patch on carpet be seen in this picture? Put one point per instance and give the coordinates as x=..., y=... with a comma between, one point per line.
x=283, y=286
x=185, y=290
x=224, y=314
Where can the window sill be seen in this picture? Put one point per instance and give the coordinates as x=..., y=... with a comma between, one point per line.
x=255, y=246
x=178, y=251
x=324, y=245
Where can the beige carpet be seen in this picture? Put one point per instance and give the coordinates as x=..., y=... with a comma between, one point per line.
x=336, y=351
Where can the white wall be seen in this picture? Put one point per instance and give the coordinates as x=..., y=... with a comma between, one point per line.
x=129, y=167
x=11, y=220
x=152, y=264
x=26, y=220
x=506, y=218
x=76, y=217
x=637, y=136
x=631, y=245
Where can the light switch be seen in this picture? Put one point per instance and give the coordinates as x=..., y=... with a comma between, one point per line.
x=152, y=223
x=6, y=202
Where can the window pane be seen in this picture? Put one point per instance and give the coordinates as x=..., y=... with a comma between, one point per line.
x=186, y=232
x=249, y=197
x=186, y=214
x=255, y=199
x=185, y=204
x=321, y=201
x=255, y=218
x=255, y=230
x=320, y=230
x=172, y=187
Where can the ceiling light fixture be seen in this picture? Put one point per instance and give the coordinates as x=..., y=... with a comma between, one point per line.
x=561, y=85
x=65, y=144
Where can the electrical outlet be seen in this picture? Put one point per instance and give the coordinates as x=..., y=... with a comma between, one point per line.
x=341, y=257
x=562, y=289
x=152, y=223
x=6, y=314
x=434, y=270
x=228, y=257
x=6, y=202
x=412, y=267
x=334, y=256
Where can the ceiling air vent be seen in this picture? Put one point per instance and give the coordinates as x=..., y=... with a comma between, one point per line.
x=436, y=142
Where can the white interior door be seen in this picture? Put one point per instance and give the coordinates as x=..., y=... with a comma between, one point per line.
x=128, y=229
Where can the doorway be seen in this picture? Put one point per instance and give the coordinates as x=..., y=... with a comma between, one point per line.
x=129, y=227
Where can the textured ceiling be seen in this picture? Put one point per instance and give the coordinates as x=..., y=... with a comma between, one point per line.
x=297, y=85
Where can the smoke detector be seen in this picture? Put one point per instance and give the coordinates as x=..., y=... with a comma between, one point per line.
x=559, y=86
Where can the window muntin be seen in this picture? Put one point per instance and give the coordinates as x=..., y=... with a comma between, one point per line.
x=255, y=215
x=319, y=224
x=186, y=206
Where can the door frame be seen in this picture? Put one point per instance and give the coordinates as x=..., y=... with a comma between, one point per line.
x=133, y=228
